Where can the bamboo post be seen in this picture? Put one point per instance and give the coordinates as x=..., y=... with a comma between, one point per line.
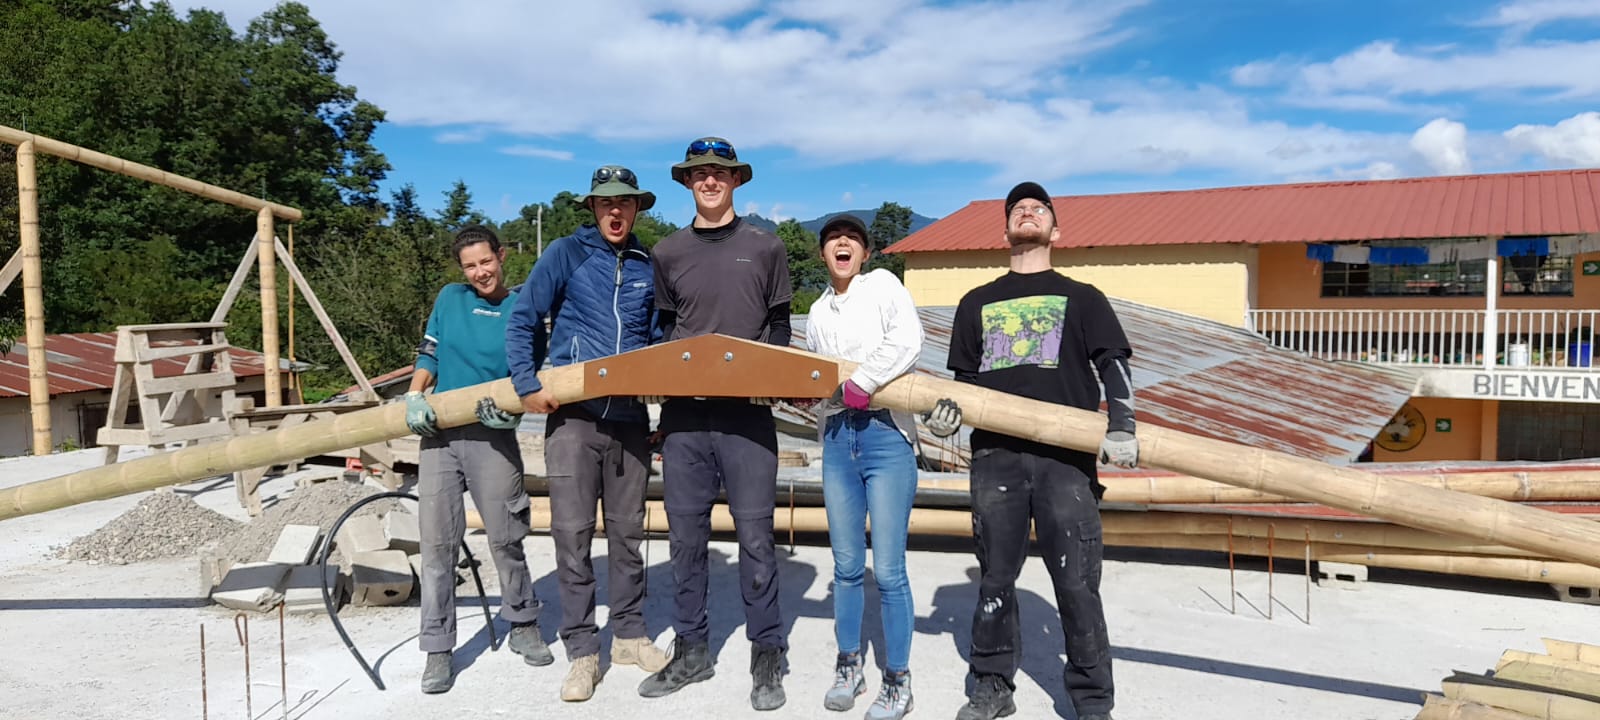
x=33, y=297
x=288, y=260
x=265, y=254
x=144, y=172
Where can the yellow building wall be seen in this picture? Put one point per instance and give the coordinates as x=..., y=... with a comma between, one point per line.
x=1473, y=428
x=1291, y=281
x=1211, y=281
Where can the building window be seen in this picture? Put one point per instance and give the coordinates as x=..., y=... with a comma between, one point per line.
x=1521, y=275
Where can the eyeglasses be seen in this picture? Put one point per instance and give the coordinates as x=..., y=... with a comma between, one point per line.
x=608, y=173
x=720, y=148
x=1038, y=210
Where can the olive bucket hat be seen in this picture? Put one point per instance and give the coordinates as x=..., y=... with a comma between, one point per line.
x=711, y=151
x=618, y=181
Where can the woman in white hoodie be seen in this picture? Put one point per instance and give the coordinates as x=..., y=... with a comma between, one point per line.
x=869, y=466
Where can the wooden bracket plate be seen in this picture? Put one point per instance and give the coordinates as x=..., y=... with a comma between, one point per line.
x=712, y=366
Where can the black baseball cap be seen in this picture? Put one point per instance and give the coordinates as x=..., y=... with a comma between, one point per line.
x=1028, y=190
x=845, y=221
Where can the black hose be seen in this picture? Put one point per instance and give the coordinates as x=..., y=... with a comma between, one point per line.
x=327, y=596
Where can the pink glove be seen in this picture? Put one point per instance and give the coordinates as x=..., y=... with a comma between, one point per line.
x=854, y=397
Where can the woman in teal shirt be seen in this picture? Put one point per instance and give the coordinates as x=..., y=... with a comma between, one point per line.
x=463, y=346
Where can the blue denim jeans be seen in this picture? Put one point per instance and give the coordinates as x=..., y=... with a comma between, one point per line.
x=869, y=469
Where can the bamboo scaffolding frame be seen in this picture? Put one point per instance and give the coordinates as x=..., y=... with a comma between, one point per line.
x=1537, y=532
x=33, y=297
x=119, y=166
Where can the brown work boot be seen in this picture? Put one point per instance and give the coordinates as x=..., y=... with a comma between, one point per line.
x=581, y=679
x=638, y=651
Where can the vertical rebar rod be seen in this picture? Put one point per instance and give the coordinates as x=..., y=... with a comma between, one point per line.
x=1233, y=588
x=283, y=665
x=1271, y=528
x=244, y=639
x=1308, y=575
x=791, y=518
x=205, y=701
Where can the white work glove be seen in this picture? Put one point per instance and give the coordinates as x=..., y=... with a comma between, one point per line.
x=1120, y=448
x=944, y=419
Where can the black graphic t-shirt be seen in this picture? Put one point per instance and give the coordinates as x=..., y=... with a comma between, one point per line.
x=1035, y=335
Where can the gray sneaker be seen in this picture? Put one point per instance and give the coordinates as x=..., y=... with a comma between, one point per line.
x=847, y=683
x=438, y=675
x=526, y=641
x=894, y=698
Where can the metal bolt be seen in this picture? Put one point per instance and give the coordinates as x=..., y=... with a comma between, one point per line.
x=727, y=357
x=602, y=372
x=686, y=357
x=816, y=374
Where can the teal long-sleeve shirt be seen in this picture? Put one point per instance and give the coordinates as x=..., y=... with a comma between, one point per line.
x=464, y=343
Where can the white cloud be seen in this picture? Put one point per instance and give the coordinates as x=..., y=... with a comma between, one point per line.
x=1260, y=73
x=847, y=198
x=1527, y=14
x=752, y=208
x=458, y=137
x=1573, y=141
x=1442, y=144
x=536, y=152
x=1565, y=68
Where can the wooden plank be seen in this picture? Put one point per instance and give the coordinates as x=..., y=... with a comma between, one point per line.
x=322, y=317
x=202, y=381
x=178, y=351
x=190, y=433
x=189, y=328
x=12, y=269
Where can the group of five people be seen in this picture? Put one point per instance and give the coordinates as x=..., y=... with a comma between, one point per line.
x=599, y=292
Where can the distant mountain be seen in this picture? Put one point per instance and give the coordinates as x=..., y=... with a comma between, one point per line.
x=814, y=225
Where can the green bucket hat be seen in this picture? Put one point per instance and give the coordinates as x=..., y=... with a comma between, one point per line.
x=617, y=181
x=711, y=151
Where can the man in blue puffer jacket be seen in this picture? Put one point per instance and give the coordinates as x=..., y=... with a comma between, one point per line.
x=597, y=288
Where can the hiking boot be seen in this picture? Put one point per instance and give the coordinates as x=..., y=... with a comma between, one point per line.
x=847, y=683
x=990, y=699
x=438, y=675
x=690, y=663
x=766, y=677
x=581, y=679
x=894, y=698
x=526, y=641
x=638, y=651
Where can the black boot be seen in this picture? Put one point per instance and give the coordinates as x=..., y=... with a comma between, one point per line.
x=766, y=677
x=690, y=663
x=990, y=699
x=526, y=640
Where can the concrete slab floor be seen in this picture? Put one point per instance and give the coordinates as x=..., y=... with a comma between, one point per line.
x=98, y=641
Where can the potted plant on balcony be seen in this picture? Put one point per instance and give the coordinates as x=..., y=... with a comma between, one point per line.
x=1580, y=347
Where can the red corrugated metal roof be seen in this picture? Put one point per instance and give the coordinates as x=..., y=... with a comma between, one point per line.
x=1562, y=202
x=83, y=361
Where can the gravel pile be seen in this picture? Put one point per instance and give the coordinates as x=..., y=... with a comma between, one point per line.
x=163, y=525
x=319, y=504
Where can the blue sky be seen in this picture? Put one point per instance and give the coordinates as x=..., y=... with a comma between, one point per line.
x=850, y=103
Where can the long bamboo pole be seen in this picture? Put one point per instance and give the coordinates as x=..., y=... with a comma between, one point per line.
x=144, y=172
x=1547, y=486
x=355, y=429
x=1403, y=503
x=267, y=268
x=1438, y=708
x=33, y=297
x=1538, y=532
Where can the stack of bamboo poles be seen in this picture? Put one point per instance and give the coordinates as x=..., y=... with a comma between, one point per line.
x=1561, y=684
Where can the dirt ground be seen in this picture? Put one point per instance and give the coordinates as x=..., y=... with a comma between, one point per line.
x=99, y=641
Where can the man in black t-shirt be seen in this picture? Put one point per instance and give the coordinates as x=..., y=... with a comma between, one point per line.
x=721, y=275
x=1039, y=334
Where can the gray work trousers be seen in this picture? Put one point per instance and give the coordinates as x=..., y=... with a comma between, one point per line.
x=589, y=460
x=487, y=463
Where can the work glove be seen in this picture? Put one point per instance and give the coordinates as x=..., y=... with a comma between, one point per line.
x=852, y=396
x=419, y=415
x=764, y=402
x=944, y=419
x=494, y=418
x=652, y=399
x=1120, y=448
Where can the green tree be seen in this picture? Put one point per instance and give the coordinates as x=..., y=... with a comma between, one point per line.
x=890, y=225
x=807, y=273
x=458, y=211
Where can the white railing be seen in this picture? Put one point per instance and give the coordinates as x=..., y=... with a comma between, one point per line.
x=1440, y=338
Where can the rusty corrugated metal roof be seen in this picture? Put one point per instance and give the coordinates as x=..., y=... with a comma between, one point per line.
x=1560, y=202
x=83, y=361
x=1216, y=381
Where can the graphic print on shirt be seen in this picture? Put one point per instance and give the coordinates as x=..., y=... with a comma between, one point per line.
x=1023, y=331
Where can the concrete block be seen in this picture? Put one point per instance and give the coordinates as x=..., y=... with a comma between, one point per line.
x=1345, y=575
x=252, y=586
x=302, y=593
x=380, y=577
x=416, y=565
x=403, y=532
x=296, y=545
x=213, y=567
x=1577, y=594
x=363, y=533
